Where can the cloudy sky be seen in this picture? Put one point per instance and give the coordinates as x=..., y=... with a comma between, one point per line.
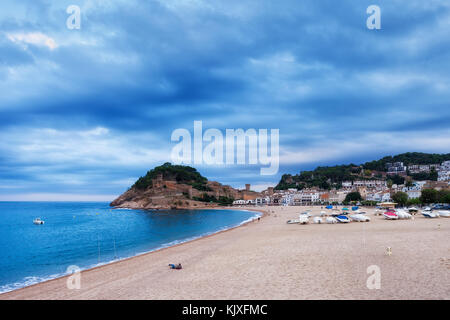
x=85, y=112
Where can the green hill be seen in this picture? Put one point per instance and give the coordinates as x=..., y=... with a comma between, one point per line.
x=332, y=177
x=408, y=158
x=181, y=174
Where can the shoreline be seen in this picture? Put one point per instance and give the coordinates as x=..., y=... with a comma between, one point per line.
x=244, y=223
x=274, y=260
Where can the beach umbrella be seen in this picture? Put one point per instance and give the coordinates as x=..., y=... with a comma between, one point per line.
x=355, y=208
x=329, y=207
x=345, y=209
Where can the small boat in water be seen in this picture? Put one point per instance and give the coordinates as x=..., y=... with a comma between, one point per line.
x=38, y=221
x=390, y=215
x=343, y=219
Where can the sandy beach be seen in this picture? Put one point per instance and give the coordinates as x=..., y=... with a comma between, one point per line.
x=270, y=259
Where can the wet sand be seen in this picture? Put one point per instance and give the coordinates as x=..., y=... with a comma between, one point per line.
x=270, y=259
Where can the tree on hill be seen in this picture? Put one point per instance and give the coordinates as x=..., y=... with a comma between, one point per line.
x=396, y=179
x=353, y=196
x=389, y=183
x=179, y=173
x=408, y=158
x=444, y=196
x=429, y=196
x=332, y=177
x=400, y=197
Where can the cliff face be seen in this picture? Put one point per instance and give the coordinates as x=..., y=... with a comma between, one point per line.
x=178, y=187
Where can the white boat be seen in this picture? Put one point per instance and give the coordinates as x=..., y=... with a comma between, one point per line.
x=402, y=214
x=413, y=210
x=38, y=221
x=444, y=213
x=390, y=215
x=306, y=213
x=293, y=221
x=430, y=214
x=323, y=213
x=303, y=219
x=358, y=217
x=343, y=219
x=317, y=220
x=378, y=212
x=335, y=213
x=331, y=220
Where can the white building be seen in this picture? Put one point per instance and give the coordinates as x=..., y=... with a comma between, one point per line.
x=347, y=184
x=395, y=168
x=445, y=166
x=444, y=172
x=369, y=183
x=337, y=196
x=380, y=196
x=443, y=175
x=413, y=194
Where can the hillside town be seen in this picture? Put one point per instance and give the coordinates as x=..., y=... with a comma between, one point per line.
x=374, y=190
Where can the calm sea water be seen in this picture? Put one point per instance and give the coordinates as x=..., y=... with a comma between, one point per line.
x=90, y=234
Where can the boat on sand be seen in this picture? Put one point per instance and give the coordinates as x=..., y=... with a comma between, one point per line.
x=390, y=215
x=444, y=213
x=343, y=219
x=359, y=217
x=430, y=214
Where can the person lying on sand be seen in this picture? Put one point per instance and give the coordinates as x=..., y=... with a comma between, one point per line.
x=175, y=266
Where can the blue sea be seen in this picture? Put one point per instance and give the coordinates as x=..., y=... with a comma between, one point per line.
x=88, y=234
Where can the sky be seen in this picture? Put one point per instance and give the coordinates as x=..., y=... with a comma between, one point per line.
x=85, y=112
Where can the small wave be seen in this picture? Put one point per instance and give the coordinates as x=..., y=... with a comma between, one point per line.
x=27, y=281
